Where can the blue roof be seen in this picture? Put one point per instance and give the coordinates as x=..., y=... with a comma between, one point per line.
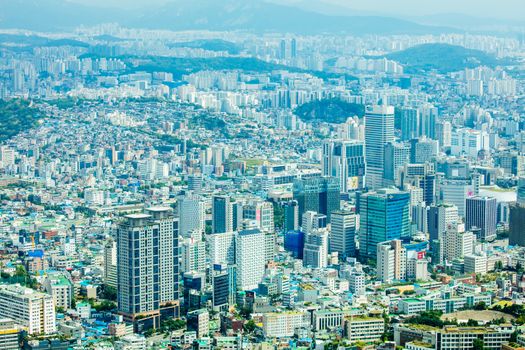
x=37, y=253
x=252, y=231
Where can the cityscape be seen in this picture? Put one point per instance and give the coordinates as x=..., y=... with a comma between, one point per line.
x=262, y=175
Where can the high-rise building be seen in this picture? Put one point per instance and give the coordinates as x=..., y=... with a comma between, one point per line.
x=396, y=156
x=429, y=116
x=321, y=195
x=169, y=259
x=521, y=191
x=481, y=213
x=456, y=242
x=261, y=212
x=293, y=48
x=249, y=258
x=220, y=280
x=384, y=217
x=315, y=253
x=33, y=310
x=456, y=191
x=222, y=214
x=138, y=271
x=193, y=253
x=110, y=264
x=379, y=131
x=147, y=267
x=440, y=217
x=443, y=132
x=192, y=214
x=517, y=225
x=342, y=235
x=291, y=216
x=345, y=160
x=195, y=183
x=407, y=120
x=423, y=150
x=312, y=221
x=221, y=248
x=294, y=243
x=391, y=261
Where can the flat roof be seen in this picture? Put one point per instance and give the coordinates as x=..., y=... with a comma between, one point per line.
x=137, y=216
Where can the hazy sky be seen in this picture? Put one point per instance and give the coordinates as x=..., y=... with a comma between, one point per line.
x=512, y=9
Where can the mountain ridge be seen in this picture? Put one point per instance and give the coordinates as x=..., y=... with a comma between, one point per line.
x=221, y=15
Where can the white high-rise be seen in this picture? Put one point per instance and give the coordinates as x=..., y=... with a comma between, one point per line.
x=342, y=233
x=192, y=214
x=457, y=243
x=221, y=247
x=110, y=264
x=249, y=257
x=379, y=130
x=193, y=253
x=315, y=252
x=391, y=261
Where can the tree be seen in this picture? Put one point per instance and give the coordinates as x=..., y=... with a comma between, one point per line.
x=478, y=344
x=249, y=326
x=472, y=323
x=480, y=306
x=109, y=293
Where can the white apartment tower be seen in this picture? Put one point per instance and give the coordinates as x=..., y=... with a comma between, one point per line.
x=249, y=257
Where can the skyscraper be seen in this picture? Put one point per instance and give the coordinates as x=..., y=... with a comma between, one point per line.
x=379, y=130
x=440, y=217
x=315, y=253
x=384, y=217
x=168, y=259
x=221, y=287
x=423, y=150
x=294, y=48
x=517, y=225
x=312, y=221
x=222, y=214
x=249, y=258
x=261, y=212
x=291, y=216
x=481, y=213
x=110, y=264
x=138, y=282
x=396, y=156
x=321, y=195
x=429, y=115
x=342, y=235
x=191, y=210
x=407, y=120
x=147, y=267
x=345, y=160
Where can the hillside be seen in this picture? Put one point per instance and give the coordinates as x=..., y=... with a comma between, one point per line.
x=441, y=57
x=329, y=111
x=17, y=116
x=211, y=45
x=180, y=66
